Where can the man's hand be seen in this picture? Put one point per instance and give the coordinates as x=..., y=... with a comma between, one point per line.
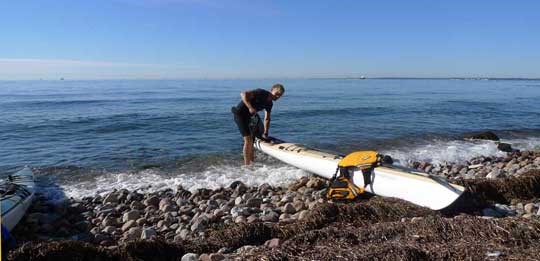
x=265, y=135
x=252, y=110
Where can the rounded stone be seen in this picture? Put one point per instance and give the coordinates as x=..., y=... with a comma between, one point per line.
x=184, y=234
x=128, y=225
x=137, y=205
x=190, y=257
x=240, y=219
x=303, y=214
x=109, y=229
x=109, y=221
x=133, y=233
x=148, y=233
x=111, y=198
x=283, y=217
x=152, y=201
x=141, y=221
x=288, y=209
x=529, y=208
x=131, y=215
x=254, y=202
x=252, y=219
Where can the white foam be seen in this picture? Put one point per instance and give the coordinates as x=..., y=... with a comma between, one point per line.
x=213, y=177
x=529, y=143
x=437, y=152
x=271, y=171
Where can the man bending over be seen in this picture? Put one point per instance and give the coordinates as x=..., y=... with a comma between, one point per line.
x=252, y=102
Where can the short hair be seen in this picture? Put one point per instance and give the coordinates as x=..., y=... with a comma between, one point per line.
x=279, y=87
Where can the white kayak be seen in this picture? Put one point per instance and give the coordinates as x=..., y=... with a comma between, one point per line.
x=388, y=180
x=17, y=192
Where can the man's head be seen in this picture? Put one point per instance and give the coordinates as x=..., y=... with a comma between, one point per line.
x=277, y=91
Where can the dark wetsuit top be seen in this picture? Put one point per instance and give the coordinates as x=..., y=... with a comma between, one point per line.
x=260, y=101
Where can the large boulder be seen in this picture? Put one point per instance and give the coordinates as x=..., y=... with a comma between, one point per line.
x=505, y=147
x=486, y=135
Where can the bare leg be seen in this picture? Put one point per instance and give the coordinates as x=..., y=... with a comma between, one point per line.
x=248, y=150
x=251, y=150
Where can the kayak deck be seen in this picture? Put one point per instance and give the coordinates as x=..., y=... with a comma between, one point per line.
x=17, y=193
x=389, y=181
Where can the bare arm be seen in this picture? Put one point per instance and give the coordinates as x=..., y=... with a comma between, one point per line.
x=246, y=96
x=266, y=123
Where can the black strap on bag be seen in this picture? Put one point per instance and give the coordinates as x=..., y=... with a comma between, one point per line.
x=256, y=126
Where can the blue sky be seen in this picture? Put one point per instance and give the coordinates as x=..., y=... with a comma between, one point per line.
x=268, y=39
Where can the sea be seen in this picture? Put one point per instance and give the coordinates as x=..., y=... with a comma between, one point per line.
x=84, y=138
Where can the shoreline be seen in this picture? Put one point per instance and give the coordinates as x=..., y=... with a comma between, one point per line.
x=249, y=222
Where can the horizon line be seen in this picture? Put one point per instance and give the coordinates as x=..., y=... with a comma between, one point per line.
x=284, y=78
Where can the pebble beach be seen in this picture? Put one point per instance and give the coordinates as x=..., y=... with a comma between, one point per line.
x=500, y=208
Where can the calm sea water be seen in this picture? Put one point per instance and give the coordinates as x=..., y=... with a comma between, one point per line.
x=90, y=136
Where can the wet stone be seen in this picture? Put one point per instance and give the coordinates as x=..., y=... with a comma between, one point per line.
x=494, y=174
x=298, y=184
x=254, y=202
x=185, y=209
x=316, y=183
x=273, y=243
x=174, y=226
x=299, y=205
x=264, y=188
x=528, y=216
x=129, y=225
x=303, y=214
x=98, y=238
x=284, y=217
x=270, y=217
x=109, y=221
x=111, y=198
x=152, y=201
x=197, y=226
x=238, y=201
x=94, y=230
x=216, y=257
x=289, y=208
x=252, y=219
x=109, y=229
x=529, y=208
x=168, y=208
x=131, y=215
x=137, y=205
x=219, y=213
x=133, y=233
x=240, y=219
x=190, y=257
x=184, y=233
x=211, y=205
x=148, y=233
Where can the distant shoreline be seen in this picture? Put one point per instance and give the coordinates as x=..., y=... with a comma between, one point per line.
x=428, y=78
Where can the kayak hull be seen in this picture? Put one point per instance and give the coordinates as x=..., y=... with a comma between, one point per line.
x=15, y=203
x=388, y=181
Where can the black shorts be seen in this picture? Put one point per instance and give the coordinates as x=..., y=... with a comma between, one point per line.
x=242, y=121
